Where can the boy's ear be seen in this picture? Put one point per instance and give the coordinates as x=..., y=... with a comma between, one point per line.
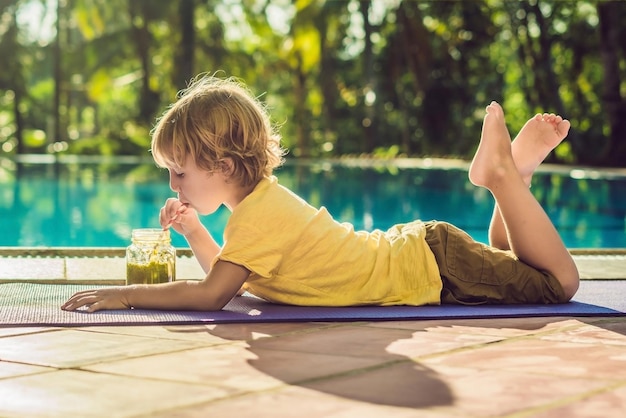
x=228, y=166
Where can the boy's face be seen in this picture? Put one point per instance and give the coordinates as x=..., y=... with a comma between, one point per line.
x=200, y=189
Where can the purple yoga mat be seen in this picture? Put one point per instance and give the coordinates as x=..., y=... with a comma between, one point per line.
x=27, y=304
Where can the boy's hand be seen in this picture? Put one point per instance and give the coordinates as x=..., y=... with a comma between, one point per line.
x=210, y=294
x=95, y=300
x=179, y=216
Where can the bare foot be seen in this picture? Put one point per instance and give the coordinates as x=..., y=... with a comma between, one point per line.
x=537, y=138
x=493, y=159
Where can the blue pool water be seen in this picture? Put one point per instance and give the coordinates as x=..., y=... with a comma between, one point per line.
x=99, y=203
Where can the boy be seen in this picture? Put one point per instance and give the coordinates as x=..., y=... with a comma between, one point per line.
x=219, y=148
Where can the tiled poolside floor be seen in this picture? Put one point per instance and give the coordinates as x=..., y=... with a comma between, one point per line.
x=540, y=367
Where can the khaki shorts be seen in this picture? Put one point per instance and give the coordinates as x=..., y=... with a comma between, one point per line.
x=474, y=273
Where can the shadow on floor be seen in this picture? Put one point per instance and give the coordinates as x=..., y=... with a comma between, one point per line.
x=361, y=361
x=343, y=362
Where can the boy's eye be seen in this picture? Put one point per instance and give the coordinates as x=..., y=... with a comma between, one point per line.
x=176, y=173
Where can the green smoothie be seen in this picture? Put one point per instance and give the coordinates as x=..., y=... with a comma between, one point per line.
x=151, y=273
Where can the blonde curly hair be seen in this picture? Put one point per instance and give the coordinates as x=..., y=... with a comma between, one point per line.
x=214, y=119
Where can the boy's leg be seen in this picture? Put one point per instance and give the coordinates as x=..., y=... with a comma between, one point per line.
x=531, y=235
x=537, y=138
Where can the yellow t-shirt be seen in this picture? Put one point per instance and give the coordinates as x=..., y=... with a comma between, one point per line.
x=300, y=255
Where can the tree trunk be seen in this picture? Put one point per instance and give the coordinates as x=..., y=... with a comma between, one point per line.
x=416, y=40
x=301, y=116
x=12, y=77
x=327, y=79
x=184, y=56
x=58, y=76
x=369, y=118
x=614, y=105
x=413, y=51
x=148, y=99
x=19, y=120
x=549, y=96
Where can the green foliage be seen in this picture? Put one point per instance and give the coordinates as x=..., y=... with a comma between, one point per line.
x=386, y=153
x=34, y=138
x=378, y=77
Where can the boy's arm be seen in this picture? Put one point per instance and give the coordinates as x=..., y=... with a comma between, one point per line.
x=204, y=247
x=210, y=294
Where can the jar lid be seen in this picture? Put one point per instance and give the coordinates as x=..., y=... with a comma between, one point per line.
x=151, y=234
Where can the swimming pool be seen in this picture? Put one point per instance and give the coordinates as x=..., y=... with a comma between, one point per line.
x=96, y=203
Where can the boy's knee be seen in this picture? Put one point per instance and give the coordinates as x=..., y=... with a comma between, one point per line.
x=570, y=281
x=570, y=286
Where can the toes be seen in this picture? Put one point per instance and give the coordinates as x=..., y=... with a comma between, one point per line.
x=563, y=127
x=495, y=109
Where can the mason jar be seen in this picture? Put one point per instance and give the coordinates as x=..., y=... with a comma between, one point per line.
x=150, y=258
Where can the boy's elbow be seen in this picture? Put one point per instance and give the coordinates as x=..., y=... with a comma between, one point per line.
x=214, y=305
x=220, y=285
x=209, y=300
